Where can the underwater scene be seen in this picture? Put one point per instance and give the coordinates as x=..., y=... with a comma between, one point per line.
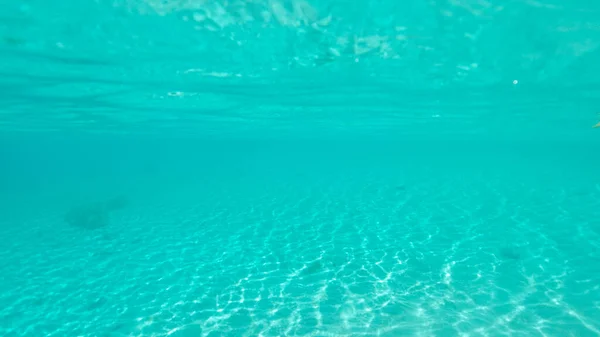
x=312, y=168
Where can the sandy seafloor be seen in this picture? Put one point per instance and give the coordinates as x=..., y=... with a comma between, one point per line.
x=290, y=239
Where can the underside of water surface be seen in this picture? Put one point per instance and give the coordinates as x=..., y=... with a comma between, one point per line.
x=281, y=67
x=299, y=168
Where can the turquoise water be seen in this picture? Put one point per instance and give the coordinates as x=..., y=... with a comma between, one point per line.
x=299, y=168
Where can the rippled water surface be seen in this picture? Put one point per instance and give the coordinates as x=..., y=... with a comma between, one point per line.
x=215, y=67
x=299, y=168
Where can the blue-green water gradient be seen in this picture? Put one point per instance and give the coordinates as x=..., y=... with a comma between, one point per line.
x=299, y=168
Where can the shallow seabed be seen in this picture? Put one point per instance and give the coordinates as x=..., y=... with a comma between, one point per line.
x=304, y=239
x=196, y=168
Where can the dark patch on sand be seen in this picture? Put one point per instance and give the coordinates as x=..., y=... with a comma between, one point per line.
x=312, y=268
x=510, y=253
x=94, y=215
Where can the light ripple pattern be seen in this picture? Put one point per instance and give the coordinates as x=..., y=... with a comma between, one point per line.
x=324, y=243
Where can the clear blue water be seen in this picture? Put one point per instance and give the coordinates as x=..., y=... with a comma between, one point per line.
x=299, y=168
